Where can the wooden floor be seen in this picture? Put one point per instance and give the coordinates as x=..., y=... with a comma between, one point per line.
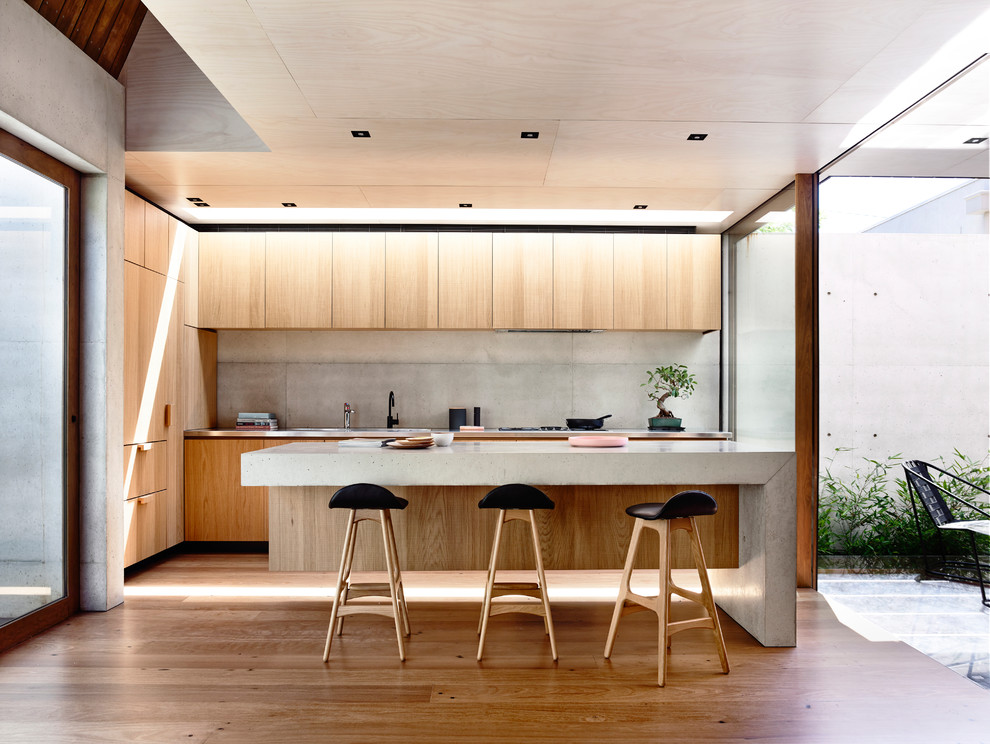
x=213, y=648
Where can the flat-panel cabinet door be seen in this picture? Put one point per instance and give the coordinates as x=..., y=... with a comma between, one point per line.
x=157, y=249
x=465, y=287
x=298, y=280
x=582, y=280
x=359, y=280
x=411, y=276
x=148, y=379
x=640, y=282
x=694, y=282
x=231, y=280
x=522, y=280
x=133, y=228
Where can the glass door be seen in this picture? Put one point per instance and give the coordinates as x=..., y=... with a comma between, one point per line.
x=38, y=512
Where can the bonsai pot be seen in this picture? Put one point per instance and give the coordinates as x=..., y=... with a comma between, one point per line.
x=665, y=423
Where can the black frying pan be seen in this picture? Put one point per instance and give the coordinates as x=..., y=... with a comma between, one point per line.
x=577, y=423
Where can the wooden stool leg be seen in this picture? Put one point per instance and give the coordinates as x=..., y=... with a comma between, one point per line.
x=394, y=549
x=390, y=568
x=341, y=576
x=541, y=577
x=352, y=536
x=663, y=600
x=706, y=592
x=489, y=585
x=624, y=589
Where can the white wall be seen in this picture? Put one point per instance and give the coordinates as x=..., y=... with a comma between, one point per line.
x=905, y=346
x=57, y=99
x=518, y=379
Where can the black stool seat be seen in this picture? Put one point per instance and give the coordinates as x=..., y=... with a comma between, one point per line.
x=516, y=496
x=366, y=496
x=684, y=504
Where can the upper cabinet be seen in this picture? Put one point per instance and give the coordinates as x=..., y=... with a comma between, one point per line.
x=640, y=287
x=522, y=280
x=582, y=280
x=465, y=283
x=411, y=278
x=359, y=280
x=134, y=228
x=232, y=280
x=453, y=280
x=298, y=280
x=694, y=282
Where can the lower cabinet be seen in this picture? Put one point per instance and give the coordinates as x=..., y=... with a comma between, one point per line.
x=144, y=520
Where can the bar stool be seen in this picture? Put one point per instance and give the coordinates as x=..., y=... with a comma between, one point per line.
x=368, y=503
x=676, y=514
x=516, y=501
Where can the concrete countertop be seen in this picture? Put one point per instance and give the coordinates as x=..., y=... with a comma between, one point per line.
x=333, y=433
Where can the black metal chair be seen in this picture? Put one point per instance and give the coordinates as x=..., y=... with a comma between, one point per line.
x=932, y=495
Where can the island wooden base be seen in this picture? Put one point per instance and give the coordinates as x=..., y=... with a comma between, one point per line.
x=443, y=529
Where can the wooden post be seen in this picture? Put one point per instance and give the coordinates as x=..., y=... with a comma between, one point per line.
x=806, y=370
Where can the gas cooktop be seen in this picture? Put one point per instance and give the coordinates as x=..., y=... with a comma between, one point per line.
x=543, y=428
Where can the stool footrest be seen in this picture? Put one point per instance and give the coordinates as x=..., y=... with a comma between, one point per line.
x=366, y=609
x=697, y=622
x=527, y=609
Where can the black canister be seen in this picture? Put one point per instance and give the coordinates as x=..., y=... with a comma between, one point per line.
x=477, y=415
x=458, y=418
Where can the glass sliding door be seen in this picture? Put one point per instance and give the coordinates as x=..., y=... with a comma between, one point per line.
x=38, y=553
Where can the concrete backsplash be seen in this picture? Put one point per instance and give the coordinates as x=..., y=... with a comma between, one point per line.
x=518, y=379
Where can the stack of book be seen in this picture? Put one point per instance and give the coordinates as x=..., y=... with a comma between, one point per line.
x=257, y=422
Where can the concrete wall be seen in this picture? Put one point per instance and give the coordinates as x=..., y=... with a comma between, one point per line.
x=518, y=379
x=961, y=210
x=905, y=346
x=57, y=99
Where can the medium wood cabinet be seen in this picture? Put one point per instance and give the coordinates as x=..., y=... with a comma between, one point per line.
x=359, y=280
x=157, y=248
x=298, y=280
x=522, y=280
x=232, y=280
x=640, y=282
x=465, y=283
x=411, y=276
x=694, y=282
x=582, y=280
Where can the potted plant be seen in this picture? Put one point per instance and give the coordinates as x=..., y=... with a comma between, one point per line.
x=672, y=381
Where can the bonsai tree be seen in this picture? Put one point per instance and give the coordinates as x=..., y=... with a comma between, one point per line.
x=672, y=381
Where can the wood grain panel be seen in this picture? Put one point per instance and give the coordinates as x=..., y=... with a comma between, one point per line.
x=133, y=228
x=146, y=384
x=199, y=378
x=189, y=276
x=181, y=239
x=640, y=282
x=694, y=282
x=232, y=280
x=806, y=374
x=582, y=280
x=144, y=527
x=298, y=280
x=411, y=276
x=443, y=529
x=156, y=244
x=522, y=280
x=145, y=470
x=359, y=280
x=465, y=285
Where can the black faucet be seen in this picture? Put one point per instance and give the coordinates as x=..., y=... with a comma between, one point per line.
x=392, y=420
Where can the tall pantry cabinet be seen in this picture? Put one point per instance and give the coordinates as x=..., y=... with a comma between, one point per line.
x=169, y=374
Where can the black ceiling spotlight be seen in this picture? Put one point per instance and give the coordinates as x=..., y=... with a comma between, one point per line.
x=288, y=204
x=530, y=135
x=975, y=141
x=640, y=206
x=200, y=204
x=360, y=133
x=193, y=199
x=696, y=137
x=465, y=205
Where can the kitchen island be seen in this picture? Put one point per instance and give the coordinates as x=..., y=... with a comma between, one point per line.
x=444, y=529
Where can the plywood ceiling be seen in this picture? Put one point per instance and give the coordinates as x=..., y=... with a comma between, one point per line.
x=254, y=101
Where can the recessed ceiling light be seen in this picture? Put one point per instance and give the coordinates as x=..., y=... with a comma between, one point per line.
x=360, y=133
x=530, y=135
x=975, y=141
x=697, y=137
x=193, y=199
x=465, y=205
x=640, y=206
x=288, y=204
x=201, y=204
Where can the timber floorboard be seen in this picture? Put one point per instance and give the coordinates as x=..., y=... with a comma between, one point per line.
x=214, y=648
